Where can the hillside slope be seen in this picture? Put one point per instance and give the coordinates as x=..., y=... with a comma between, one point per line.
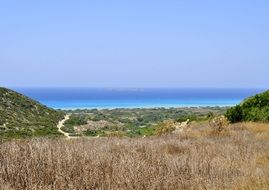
x=255, y=108
x=21, y=116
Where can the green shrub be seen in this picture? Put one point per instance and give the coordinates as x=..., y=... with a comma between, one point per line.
x=255, y=108
x=234, y=114
x=74, y=120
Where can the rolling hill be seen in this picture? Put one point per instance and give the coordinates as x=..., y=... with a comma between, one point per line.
x=21, y=116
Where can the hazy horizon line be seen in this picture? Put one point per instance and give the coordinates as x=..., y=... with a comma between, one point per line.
x=126, y=87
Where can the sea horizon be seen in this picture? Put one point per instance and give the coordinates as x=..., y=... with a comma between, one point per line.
x=112, y=98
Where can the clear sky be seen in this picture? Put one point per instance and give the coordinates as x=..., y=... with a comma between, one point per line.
x=134, y=43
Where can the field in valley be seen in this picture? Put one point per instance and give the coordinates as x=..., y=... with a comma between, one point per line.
x=132, y=122
x=201, y=157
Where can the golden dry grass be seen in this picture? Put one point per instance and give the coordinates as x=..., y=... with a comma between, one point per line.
x=196, y=159
x=257, y=127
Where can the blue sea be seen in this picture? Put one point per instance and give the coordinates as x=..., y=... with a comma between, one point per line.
x=109, y=98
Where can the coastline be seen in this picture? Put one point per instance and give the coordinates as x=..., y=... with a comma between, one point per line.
x=153, y=106
x=98, y=98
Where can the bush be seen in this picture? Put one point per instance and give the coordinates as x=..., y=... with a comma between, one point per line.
x=234, y=114
x=74, y=120
x=219, y=124
x=255, y=108
x=165, y=128
x=90, y=133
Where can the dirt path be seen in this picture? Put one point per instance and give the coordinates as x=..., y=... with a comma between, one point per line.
x=61, y=124
x=67, y=135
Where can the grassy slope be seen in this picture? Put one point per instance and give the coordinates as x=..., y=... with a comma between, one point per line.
x=21, y=116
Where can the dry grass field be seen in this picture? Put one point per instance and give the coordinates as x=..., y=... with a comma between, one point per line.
x=198, y=158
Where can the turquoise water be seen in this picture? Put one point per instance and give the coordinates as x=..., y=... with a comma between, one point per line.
x=110, y=104
x=100, y=98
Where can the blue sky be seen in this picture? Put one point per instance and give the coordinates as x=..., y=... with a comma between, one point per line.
x=141, y=43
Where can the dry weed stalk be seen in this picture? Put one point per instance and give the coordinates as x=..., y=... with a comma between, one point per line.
x=166, y=162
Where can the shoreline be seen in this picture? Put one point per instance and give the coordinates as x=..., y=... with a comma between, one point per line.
x=143, y=107
x=134, y=104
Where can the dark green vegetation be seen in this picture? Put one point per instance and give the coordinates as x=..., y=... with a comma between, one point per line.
x=132, y=122
x=21, y=116
x=74, y=120
x=255, y=108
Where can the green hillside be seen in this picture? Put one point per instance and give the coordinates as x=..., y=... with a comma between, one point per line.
x=255, y=108
x=21, y=116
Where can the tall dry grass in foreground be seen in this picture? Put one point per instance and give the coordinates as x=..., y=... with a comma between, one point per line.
x=236, y=158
